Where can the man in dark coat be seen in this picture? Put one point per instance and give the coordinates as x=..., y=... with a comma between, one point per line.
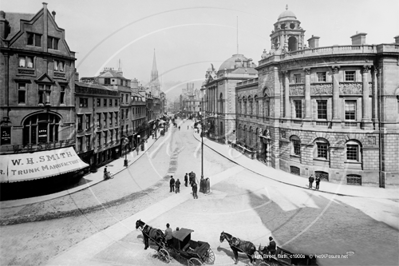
x=195, y=189
x=172, y=184
x=311, y=179
x=186, y=179
x=177, y=185
x=317, y=182
x=272, y=246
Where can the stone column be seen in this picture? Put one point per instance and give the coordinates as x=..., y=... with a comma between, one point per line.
x=287, y=106
x=375, y=97
x=366, y=120
x=335, y=80
x=308, y=103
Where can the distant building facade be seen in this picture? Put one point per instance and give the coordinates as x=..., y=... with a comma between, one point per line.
x=328, y=111
x=219, y=96
x=190, y=101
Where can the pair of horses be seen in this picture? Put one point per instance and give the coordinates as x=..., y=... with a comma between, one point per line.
x=236, y=244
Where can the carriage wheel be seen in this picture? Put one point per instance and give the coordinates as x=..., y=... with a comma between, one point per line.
x=209, y=257
x=163, y=255
x=194, y=261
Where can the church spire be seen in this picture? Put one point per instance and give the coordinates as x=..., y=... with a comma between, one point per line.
x=154, y=83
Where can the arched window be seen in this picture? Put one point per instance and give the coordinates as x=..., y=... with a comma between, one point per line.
x=239, y=105
x=322, y=149
x=250, y=103
x=266, y=104
x=244, y=100
x=221, y=103
x=256, y=106
x=41, y=128
x=250, y=137
x=295, y=146
x=353, y=151
x=245, y=135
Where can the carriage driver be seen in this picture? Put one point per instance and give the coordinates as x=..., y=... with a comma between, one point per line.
x=272, y=246
x=168, y=235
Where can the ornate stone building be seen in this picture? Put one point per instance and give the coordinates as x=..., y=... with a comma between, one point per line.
x=219, y=96
x=37, y=117
x=328, y=111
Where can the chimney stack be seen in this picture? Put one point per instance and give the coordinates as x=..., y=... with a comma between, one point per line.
x=76, y=75
x=359, y=38
x=397, y=39
x=4, y=25
x=53, y=14
x=313, y=42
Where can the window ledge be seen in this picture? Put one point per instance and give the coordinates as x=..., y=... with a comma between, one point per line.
x=295, y=156
x=321, y=159
x=353, y=162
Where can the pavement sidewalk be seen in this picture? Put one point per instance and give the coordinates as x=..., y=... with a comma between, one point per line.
x=89, y=251
x=294, y=180
x=113, y=167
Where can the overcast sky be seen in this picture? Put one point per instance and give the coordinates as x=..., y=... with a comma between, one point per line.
x=190, y=35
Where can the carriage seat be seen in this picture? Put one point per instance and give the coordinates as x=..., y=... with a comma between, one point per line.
x=190, y=245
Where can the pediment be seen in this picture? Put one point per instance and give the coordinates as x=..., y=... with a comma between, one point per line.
x=44, y=79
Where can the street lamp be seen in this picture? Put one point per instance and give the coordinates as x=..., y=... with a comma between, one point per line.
x=202, y=145
x=125, y=143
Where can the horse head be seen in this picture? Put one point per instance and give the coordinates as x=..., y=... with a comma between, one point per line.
x=139, y=223
x=222, y=237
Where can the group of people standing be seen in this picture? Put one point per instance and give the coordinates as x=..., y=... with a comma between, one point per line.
x=312, y=179
x=189, y=177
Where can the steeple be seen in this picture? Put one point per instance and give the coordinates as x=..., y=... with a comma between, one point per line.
x=154, y=83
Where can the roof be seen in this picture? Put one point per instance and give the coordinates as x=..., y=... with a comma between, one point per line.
x=182, y=233
x=230, y=63
x=95, y=86
x=287, y=15
x=14, y=20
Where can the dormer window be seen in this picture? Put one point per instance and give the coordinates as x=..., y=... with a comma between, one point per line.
x=34, y=39
x=52, y=43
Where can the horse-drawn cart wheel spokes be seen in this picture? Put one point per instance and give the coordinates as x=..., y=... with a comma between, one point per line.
x=164, y=255
x=194, y=262
x=209, y=257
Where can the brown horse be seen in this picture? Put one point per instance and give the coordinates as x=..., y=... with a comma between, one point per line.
x=156, y=235
x=238, y=245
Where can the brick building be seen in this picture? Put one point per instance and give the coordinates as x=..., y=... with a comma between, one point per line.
x=331, y=111
x=37, y=115
x=97, y=123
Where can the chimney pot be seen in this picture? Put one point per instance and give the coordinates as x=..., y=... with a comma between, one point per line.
x=53, y=14
x=397, y=39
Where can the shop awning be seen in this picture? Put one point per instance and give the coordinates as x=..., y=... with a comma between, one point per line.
x=38, y=165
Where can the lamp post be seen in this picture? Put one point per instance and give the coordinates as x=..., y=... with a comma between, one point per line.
x=125, y=143
x=202, y=145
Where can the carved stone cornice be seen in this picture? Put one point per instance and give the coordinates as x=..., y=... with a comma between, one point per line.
x=321, y=89
x=307, y=71
x=297, y=90
x=350, y=88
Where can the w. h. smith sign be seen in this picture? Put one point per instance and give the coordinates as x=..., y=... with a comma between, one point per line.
x=30, y=166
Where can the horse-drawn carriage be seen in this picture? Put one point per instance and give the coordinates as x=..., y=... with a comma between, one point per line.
x=180, y=247
x=262, y=256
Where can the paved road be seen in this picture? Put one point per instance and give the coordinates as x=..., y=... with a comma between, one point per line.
x=241, y=203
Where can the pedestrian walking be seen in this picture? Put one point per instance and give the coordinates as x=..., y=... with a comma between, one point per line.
x=177, y=186
x=172, y=184
x=168, y=234
x=195, y=189
x=311, y=179
x=186, y=179
x=317, y=182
